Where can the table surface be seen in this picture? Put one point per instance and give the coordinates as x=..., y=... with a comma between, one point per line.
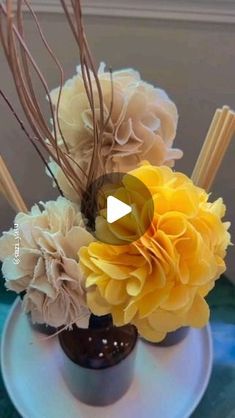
x=219, y=399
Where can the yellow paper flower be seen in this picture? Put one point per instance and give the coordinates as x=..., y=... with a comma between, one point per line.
x=159, y=282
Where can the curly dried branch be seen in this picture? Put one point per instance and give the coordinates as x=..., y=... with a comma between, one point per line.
x=20, y=61
x=32, y=140
x=89, y=72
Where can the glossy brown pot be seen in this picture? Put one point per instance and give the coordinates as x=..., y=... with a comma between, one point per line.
x=98, y=362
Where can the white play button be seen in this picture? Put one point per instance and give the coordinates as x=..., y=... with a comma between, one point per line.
x=116, y=209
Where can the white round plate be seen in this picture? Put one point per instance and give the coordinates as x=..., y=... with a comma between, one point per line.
x=169, y=382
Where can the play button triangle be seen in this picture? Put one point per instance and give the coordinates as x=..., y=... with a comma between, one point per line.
x=116, y=209
x=113, y=208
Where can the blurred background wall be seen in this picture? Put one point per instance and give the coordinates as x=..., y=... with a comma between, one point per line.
x=193, y=61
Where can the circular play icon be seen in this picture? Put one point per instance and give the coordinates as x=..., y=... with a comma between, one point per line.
x=117, y=208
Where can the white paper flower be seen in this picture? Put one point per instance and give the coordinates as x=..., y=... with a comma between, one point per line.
x=142, y=125
x=48, y=266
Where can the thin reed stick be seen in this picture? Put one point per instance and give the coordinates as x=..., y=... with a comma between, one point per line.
x=10, y=190
x=227, y=132
x=214, y=148
x=206, y=149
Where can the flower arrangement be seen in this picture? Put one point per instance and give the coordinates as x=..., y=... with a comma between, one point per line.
x=102, y=122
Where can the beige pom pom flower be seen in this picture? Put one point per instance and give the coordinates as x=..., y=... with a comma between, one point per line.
x=47, y=270
x=142, y=125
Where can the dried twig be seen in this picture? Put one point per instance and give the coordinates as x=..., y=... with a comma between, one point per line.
x=20, y=61
x=32, y=140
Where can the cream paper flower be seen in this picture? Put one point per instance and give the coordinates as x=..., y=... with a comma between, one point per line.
x=47, y=270
x=142, y=125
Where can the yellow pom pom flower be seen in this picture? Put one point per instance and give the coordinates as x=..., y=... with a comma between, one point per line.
x=159, y=282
